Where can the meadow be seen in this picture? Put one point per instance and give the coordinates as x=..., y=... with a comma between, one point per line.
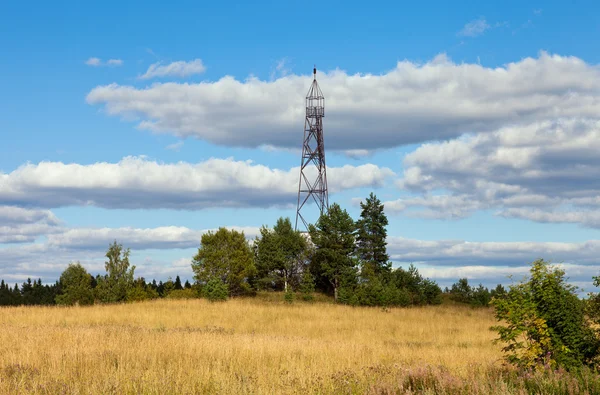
x=252, y=345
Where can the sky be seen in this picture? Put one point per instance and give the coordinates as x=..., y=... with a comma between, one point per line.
x=476, y=124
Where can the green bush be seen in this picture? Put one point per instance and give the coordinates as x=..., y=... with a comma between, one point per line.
x=307, y=286
x=215, y=290
x=545, y=322
x=289, y=296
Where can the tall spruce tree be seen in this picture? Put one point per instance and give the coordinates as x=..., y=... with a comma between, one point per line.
x=371, y=237
x=333, y=237
x=178, y=285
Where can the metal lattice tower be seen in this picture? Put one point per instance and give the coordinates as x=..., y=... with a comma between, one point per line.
x=313, y=174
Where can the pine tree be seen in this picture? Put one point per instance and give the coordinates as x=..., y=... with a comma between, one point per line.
x=187, y=285
x=371, y=237
x=178, y=283
x=307, y=285
x=280, y=255
x=333, y=237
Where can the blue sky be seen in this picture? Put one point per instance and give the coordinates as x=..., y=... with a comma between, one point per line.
x=476, y=124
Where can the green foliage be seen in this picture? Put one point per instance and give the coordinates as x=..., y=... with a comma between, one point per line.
x=76, y=286
x=215, y=290
x=462, y=292
x=281, y=254
x=225, y=255
x=168, y=287
x=333, y=236
x=289, y=296
x=545, y=322
x=307, y=286
x=177, y=284
x=419, y=290
x=141, y=291
x=113, y=287
x=371, y=238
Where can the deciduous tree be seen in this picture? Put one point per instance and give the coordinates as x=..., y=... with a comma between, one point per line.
x=225, y=255
x=76, y=285
x=114, y=285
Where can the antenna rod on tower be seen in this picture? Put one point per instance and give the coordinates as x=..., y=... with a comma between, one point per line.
x=313, y=184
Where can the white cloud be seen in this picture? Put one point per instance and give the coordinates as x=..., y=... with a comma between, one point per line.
x=114, y=62
x=140, y=183
x=96, y=62
x=281, y=69
x=180, y=69
x=465, y=253
x=93, y=62
x=411, y=103
x=19, y=225
x=544, y=171
x=175, y=146
x=165, y=237
x=474, y=28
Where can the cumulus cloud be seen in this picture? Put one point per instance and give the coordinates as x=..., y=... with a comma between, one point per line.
x=179, y=69
x=20, y=225
x=544, y=172
x=136, y=182
x=411, y=103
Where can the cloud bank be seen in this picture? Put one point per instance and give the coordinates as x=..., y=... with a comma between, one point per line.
x=136, y=182
x=412, y=103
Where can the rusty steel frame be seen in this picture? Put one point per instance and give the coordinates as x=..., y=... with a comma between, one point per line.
x=313, y=153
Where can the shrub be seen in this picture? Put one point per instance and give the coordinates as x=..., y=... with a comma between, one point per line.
x=307, y=286
x=545, y=322
x=215, y=289
x=289, y=296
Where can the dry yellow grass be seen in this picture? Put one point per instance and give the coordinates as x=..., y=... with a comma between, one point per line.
x=239, y=346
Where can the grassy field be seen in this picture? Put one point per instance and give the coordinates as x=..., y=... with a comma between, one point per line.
x=258, y=345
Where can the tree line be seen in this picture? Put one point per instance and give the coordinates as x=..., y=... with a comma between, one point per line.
x=338, y=256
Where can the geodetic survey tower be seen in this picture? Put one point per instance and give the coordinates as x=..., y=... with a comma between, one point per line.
x=313, y=174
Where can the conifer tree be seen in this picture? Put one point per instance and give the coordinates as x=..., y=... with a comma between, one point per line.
x=371, y=237
x=178, y=285
x=280, y=255
x=333, y=237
